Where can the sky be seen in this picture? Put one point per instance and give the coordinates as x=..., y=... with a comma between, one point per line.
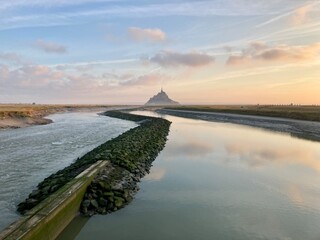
x=123, y=52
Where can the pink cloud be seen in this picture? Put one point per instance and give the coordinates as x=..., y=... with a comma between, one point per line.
x=47, y=84
x=41, y=78
x=50, y=47
x=147, y=34
x=174, y=59
x=148, y=79
x=31, y=76
x=258, y=52
x=13, y=58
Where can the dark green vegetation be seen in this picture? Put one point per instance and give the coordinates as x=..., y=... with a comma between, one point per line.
x=309, y=113
x=130, y=154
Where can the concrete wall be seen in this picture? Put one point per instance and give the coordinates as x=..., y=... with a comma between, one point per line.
x=50, y=217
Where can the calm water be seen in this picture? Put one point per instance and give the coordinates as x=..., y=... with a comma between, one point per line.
x=30, y=154
x=220, y=181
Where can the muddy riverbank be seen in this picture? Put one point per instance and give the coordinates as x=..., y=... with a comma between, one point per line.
x=297, y=128
x=25, y=115
x=298, y=112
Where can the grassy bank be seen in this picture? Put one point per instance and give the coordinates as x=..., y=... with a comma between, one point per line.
x=309, y=113
x=29, y=110
x=130, y=154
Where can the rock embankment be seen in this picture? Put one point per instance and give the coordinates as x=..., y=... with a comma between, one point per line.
x=131, y=155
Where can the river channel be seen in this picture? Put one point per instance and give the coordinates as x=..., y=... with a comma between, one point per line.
x=218, y=180
x=28, y=155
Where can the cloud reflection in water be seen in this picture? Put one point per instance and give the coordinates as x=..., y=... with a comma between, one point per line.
x=156, y=174
x=258, y=155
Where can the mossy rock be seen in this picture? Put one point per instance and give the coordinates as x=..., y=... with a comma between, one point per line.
x=94, y=203
x=103, y=202
x=108, y=194
x=118, y=202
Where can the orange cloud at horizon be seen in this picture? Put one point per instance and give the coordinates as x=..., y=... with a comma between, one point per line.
x=275, y=84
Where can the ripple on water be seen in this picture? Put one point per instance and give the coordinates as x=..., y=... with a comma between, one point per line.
x=243, y=183
x=30, y=154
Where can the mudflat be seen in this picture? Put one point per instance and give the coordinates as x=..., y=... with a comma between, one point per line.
x=299, y=112
x=297, y=128
x=23, y=115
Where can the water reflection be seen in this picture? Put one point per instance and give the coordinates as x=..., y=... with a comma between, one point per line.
x=301, y=129
x=192, y=149
x=222, y=181
x=258, y=154
x=156, y=174
x=74, y=228
x=295, y=194
x=294, y=164
x=242, y=145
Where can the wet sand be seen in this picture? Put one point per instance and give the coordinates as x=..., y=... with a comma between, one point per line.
x=20, y=115
x=15, y=122
x=297, y=128
x=298, y=112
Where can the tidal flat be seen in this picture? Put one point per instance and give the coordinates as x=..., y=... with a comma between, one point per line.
x=297, y=128
x=25, y=115
x=298, y=112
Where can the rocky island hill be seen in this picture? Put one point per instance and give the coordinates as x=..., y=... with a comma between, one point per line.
x=161, y=98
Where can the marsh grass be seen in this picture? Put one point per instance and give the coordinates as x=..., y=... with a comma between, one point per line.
x=34, y=111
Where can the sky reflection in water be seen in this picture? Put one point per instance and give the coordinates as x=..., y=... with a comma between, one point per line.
x=222, y=181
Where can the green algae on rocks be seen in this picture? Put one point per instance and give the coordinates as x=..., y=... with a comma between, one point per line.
x=131, y=156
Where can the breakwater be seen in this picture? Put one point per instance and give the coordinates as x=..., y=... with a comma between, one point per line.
x=52, y=215
x=130, y=154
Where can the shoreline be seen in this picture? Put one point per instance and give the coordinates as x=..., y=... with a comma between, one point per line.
x=18, y=122
x=309, y=130
x=21, y=116
x=303, y=113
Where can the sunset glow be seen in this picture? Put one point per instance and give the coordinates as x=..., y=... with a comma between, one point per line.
x=123, y=52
